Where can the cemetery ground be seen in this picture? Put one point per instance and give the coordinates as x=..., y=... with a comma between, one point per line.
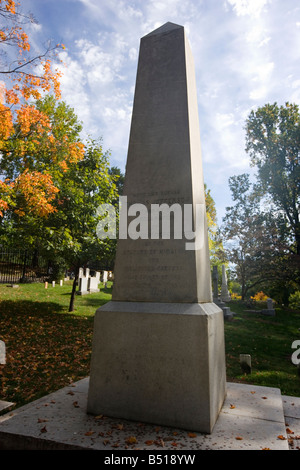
x=48, y=348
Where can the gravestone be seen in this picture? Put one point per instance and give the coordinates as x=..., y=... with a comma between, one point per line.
x=93, y=283
x=245, y=362
x=105, y=277
x=270, y=309
x=2, y=352
x=83, y=279
x=224, y=288
x=158, y=352
x=215, y=277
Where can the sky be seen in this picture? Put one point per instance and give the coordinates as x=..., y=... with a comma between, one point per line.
x=246, y=54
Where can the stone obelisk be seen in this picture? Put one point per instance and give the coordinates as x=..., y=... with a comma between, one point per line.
x=158, y=351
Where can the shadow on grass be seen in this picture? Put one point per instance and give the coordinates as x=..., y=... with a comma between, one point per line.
x=30, y=308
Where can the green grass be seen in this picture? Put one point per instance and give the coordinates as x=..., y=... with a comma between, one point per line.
x=269, y=342
x=48, y=348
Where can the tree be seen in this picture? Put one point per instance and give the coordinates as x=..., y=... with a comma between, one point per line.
x=273, y=143
x=217, y=252
x=256, y=241
x=72, y=231
x=36, y=154
x=67, y=235
x=25, y=75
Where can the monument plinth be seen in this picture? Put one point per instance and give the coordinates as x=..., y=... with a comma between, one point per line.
x=158, y=347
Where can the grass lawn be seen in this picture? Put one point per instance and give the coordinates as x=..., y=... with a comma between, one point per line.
x=48, y=348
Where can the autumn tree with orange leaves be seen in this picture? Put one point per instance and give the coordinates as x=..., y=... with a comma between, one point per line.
x=27, y=185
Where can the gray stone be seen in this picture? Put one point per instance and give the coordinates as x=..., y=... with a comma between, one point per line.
x=268, y=312
x=228, y=315
x=5, y=405
x=83, y=285
x=105, y=277
x=93, y=283
x=158, y=351
x=139, y=372
x=225, y=296
x=252, y=418
x=245, y=362
x=215, y=277
x=2, y=352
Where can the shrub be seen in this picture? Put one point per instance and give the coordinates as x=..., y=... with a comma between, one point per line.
x=235, y=296
x=294, y=300
x=260, y=297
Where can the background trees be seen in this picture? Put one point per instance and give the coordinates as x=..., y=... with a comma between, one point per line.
x=25, y=75
x=66, y=235
x=273, y=143
x=262, y=227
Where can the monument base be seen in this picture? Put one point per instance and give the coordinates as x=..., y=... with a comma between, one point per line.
x=159, y=363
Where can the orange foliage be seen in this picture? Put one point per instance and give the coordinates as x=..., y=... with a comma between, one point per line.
x=28, y=116
x=260, y=297
x=23, y=82
x=38, y=191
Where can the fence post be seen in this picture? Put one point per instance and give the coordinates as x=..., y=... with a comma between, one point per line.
x=24, y=267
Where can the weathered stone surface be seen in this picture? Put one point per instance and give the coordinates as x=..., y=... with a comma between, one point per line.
x=158, y=347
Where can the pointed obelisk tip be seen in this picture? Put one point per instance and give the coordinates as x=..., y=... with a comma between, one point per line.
x=165, y=28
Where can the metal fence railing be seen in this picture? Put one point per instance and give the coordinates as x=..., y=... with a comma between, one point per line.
x=22, y=266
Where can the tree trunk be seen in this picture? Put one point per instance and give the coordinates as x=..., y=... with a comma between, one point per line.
x=72, y=300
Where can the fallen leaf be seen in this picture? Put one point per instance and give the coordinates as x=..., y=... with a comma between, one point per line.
x=75, y=404
x=41, y=420
x=89, y=433
x=238, y=438
x=131, y=440
x=120, y=426
x=149, y=443
x=252, y=394
x=289, y=431
x=160, y=442
x=192, y=434
x=281, y=437
x=106, y=441
x=264, y=398
x=44, y=429
x=174, y=444
x=232, y=406
x=265, y=448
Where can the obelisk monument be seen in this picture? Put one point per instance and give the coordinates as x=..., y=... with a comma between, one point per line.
x=158, y=351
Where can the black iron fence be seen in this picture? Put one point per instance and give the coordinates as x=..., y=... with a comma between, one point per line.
x=22, y=266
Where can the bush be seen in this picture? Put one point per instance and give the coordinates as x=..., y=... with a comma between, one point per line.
x=294, y=300
x=260, y=297
x=235, y=296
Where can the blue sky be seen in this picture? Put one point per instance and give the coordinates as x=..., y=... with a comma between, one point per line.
x=246, y=54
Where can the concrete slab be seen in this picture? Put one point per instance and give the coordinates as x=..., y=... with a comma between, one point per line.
x=5, y=405
x=252, y=418
x=291, y=408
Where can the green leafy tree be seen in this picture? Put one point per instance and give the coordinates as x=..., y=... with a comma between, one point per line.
x=67, y=234
x=217, y=252
x=254, y=244
x=72, y=230
x=273, y=143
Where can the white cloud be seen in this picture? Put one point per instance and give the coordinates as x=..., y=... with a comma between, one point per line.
x=246, y=53
x=248, y=7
